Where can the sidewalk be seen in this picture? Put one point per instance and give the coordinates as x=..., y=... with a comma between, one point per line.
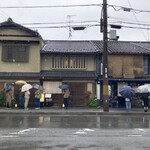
x=74, y=111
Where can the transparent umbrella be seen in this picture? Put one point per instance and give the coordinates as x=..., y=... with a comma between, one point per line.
x=143, y=89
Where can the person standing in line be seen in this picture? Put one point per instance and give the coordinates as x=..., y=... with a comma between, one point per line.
x=42, y=99
x=21, y=99
x=145, y=101
x=128, y=104
x=37, y=98
x=27, y=97
x=9, y=95
x=66, y=96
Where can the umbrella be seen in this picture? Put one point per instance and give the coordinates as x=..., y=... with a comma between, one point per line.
x=8, y=87
x=37, y=86
x=126, y=91
x=143, y=89
x=26, y=87
x=20, y=82
x=63, y=86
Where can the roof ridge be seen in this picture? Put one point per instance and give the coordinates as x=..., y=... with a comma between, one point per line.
x=140, y=46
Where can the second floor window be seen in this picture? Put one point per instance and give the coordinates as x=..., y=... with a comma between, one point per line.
x=15, y=52
x=146, y=65
x=68, y=62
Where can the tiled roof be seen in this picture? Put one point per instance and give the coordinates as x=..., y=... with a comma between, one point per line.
x=11, y=24
x=120, y=47
x=69, y=47
x=19, y=74
x=68, y=74
x=49, y=74
x=125, y=47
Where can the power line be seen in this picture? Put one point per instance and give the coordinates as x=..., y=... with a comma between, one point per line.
x=128, y=9
x=90, y=22
x=136, y=19
x=53, y=6
x=65, y=22
x=131, y=23
x=88, y=26
x=128, y=20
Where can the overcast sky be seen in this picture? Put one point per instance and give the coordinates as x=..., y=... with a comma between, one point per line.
x=57, y=17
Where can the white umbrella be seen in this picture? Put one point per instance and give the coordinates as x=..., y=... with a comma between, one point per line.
x=26, y=87
x=143, y=89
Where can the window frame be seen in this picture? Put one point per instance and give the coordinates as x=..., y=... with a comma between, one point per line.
x=68, y=62
x=15, y=52
x=147, y=65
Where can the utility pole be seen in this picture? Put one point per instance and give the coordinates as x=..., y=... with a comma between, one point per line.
x=105, y=59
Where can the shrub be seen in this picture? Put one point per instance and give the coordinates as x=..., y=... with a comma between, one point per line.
x=2, y=98
x=93, y=101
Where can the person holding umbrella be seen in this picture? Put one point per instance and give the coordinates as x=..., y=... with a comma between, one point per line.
x=66, y=92
x=145, y=101
x=9, y=95
x=25, y=88
x=66, y=96
x=27, y=97
x=21, y=99
x=37, y=98
x=128, y=104
x=144, y=91
x=127, y=92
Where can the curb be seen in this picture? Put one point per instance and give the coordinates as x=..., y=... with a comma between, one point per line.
x=70, y=111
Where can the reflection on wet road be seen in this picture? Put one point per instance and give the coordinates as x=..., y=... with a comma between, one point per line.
x=48, y=121
x=41, y=131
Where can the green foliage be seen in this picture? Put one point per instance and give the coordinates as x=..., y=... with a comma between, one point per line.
x=2, y=98
x=93, y=101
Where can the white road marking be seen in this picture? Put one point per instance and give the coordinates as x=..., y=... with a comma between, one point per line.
x=79, y=132
x=24, y=131
x=88, y=130
x=8, y=136
x=83, y=131
x=135, y=135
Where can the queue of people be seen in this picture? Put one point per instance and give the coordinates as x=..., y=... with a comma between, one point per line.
x=23, y=97
x=40, y=98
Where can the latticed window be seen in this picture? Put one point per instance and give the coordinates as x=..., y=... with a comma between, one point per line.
x=146, y=65
x=68, y=62
x=15, y=52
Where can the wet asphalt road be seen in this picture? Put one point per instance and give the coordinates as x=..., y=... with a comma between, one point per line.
x=40, y=132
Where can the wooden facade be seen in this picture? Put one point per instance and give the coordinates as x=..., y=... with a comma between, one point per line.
x=126, y=64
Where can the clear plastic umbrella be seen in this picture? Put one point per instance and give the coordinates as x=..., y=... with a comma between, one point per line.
x=143, y=89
